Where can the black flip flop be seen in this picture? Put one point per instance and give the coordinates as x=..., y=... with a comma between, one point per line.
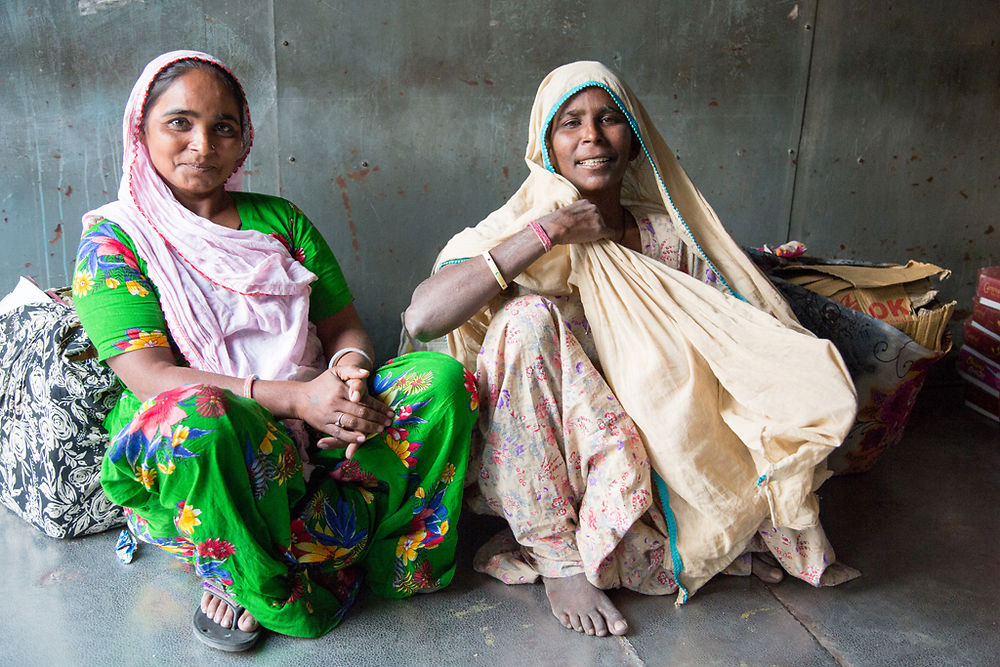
x=231, y=639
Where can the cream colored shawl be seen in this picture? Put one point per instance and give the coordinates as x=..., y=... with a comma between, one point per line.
x=736, y=403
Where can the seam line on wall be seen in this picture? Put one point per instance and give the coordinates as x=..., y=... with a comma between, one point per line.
x=802, y=125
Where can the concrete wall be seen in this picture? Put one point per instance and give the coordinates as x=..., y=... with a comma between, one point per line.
x=866, y=129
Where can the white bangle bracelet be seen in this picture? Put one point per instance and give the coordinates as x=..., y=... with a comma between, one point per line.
x=344, y=350
x=248, y=386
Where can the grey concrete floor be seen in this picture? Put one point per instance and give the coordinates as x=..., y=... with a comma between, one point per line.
x=922, y=526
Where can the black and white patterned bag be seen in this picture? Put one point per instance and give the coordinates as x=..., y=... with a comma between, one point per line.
x=54, y=395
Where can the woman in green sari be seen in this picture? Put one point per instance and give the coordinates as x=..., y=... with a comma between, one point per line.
x=254, y=440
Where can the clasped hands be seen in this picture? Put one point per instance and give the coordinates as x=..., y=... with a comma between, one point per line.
x=337, y=403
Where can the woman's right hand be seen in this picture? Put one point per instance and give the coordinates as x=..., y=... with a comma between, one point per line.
x=580, y=222
x=456, y=292
x=333, y=404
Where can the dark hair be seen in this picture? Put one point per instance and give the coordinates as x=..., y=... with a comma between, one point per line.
x=178, y=68
x=636, y=145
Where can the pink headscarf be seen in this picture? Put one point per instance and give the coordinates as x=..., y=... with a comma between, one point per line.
x=235, y=301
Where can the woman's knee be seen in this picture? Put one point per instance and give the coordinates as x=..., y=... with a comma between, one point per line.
x=186, y=413
x=425, y=372
x=525, y=323
x=529, y=309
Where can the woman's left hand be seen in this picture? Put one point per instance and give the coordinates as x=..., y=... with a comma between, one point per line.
x=337, y=403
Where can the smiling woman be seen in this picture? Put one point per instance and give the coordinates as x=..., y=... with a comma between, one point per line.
x=592, y=143
x=633, y=430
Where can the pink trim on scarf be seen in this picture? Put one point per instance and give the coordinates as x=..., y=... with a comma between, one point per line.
x=235, y=300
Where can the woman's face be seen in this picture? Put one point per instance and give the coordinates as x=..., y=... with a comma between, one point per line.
x=591, y=142
x=193, y=134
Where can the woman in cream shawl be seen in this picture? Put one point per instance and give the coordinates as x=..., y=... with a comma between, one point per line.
x=651, y=410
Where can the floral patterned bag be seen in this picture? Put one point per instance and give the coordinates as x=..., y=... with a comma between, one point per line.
x=54, y=395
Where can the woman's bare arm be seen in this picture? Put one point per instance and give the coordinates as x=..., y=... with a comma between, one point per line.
x=458, y=291
x=152, y=370
x=344, y=329
x=338, y=395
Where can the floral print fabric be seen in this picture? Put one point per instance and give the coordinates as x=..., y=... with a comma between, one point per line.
x=119, y=304
x=53, y=399
x=214, y=479
x=563, y=463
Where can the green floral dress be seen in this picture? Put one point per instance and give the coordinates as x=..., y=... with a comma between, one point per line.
x=216, y=480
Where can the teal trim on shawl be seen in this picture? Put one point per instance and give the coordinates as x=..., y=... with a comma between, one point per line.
x=668, y=514
x=452, y=261
x=635, y=129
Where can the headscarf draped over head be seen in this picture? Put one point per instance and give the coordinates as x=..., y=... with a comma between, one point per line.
x=737, y=404
x=235, y=300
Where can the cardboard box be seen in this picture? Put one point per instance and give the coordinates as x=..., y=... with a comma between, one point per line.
x=982, y=402
x=982, y=340
x=988, y=285
x=900, y=295
x=977, y=370
x=987, y=313
x=982, y=377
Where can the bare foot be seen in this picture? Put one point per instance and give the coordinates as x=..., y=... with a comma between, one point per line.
x=581, y=607
x=766, y=568
x=221, y=613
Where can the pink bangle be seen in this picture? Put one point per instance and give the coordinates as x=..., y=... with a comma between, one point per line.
x=248, y=386
x=542, y=236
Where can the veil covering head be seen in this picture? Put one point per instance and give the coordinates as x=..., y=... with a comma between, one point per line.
x=235, y=300
x=737, y=405
x=654, y=181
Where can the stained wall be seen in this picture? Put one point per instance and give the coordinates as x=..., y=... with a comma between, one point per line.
x=867, y=130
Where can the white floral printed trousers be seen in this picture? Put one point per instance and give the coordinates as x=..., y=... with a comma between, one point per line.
x=563, y=463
